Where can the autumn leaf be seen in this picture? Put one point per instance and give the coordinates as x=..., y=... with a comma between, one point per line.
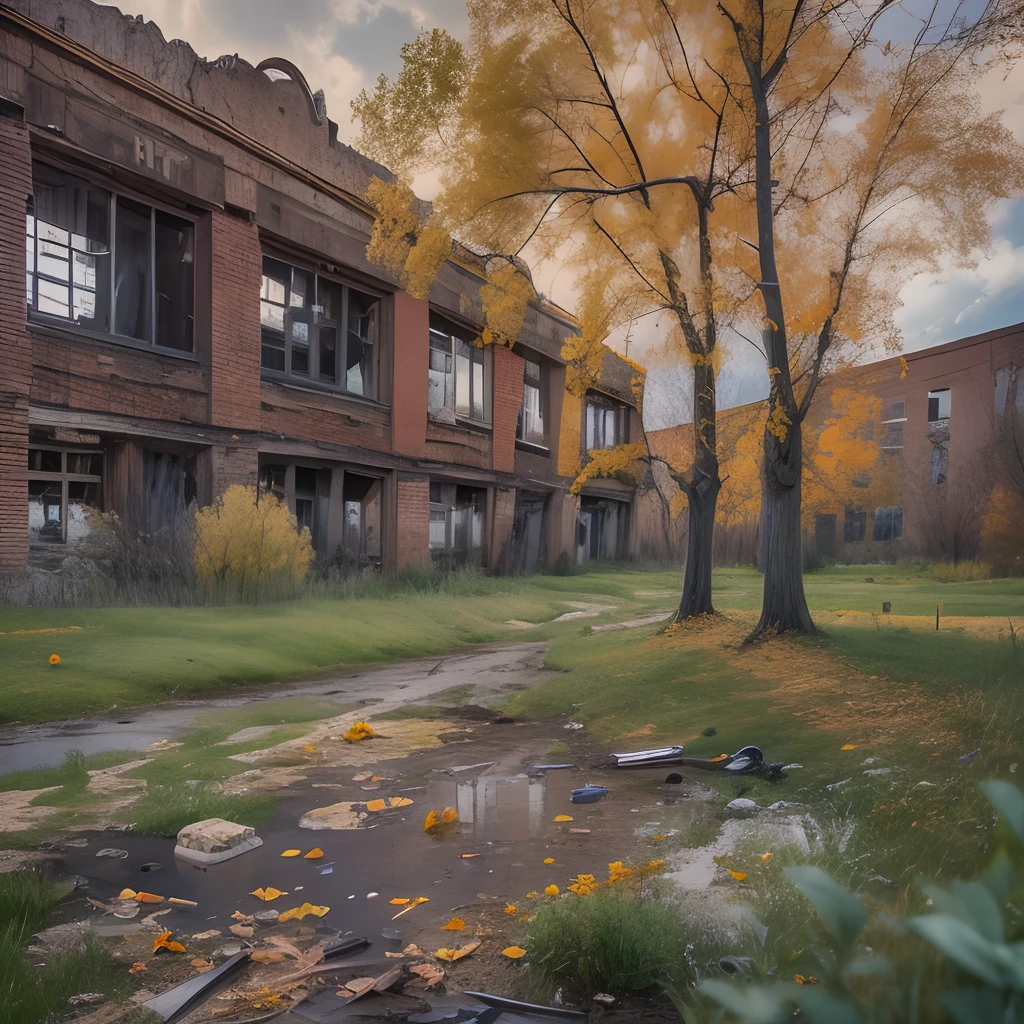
x=127, y=894
x=359, y=731
x=468, y=856
x=430, y=822
x=848, y=746
x=202, y=965
x=266, y=956
x=449, y=815
x=738, y=875
x=456, y=924
x=243, y=931
x=399, y=901
x=659, y=839
x=376, y=805
x=148, y=897
x=513, y=952
x=429, y=973
x=451, y=955
x=904, y=368
x=291, y=853
x=563, y=817
x=399, y=801
x=309, y=748
x=549, y=860
x=511, y=909
x=315, y=854
x=268, y=894
x=298, y=913
x=162, y=941
x=765, y=857
x=137, y=968
x=551, y=890
x=242, y=918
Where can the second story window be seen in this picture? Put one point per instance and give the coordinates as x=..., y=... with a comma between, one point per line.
x=458, y=374
x=106, y=263
x=531, y=427
x=318, y=330
x=606, y=423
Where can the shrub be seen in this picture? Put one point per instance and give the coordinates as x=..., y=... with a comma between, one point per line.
x=74, y=776
x=609, y=941
x=565, y=565
x=246, y=546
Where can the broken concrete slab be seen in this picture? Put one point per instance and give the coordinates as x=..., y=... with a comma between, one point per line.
x=215, y=840
x=337, y=816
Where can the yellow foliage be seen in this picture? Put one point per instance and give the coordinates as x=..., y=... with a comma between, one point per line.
x=504, y=299
x=569, y=433
x=778, y=422
x=357, y=732
x=248, y=540
x=426, y=258
x=609, y=462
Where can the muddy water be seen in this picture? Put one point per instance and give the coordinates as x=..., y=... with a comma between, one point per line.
x=506, y=815
x=489, y=670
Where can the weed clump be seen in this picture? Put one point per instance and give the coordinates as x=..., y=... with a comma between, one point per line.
x=166, y=810
x=609, y=941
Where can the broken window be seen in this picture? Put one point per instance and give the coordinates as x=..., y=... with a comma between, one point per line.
x=108, y=263
x=316, y=329
x=168, y=488
x=458, y=374
x=888, y=523
x=62, y=486
x=456, y=524
x=531, y=427
x=939, y=405
x=855, y=522
x=361, y=498
x=606, y=422
x=306, y=490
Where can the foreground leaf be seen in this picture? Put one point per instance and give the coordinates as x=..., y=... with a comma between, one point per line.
x=315, y=854
x=451, y=955
x=841, y=911
x=513, y=952
x=267, y=894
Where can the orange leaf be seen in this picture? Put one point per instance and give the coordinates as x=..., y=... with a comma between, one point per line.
x=659, y=839
x=511, y=909
x=549, y=860
x=451, y=955
x=399, y=801
x=430, y=822
x=398, y=901
x=449, y=815
x=468, y=856
x=563, y=817
x=137, y=968
x=127, y=894
x=148, y=897
x=162, y=941
x=456, y=924
x=513, y=952
x=268, y=894
x=243, y=931
x=765, y=857
x=848, y=746
x=291, y=853
x=738, y=875
x=375, y=805
x=315, y=854
x=551, y=890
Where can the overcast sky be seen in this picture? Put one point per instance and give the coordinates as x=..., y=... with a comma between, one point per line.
x=342, y=45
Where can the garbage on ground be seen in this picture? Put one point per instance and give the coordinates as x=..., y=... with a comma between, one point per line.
x=551, y=767
x=746, y=761
x=213, y=841
x=175, y=1003
x=573, y=725
x=588, y=794
x=514, y=1005
x=649, y=758
x=113, y=853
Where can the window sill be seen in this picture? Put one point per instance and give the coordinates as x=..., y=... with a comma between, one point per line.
x=60, y=331
x=313, y=387
x=463, y=422
x=533, y=449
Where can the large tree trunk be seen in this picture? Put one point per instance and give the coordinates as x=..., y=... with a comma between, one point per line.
x=784, y=606
x=702, y=498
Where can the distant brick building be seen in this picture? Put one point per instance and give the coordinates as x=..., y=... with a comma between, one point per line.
x=940, y=449
x=186, y=303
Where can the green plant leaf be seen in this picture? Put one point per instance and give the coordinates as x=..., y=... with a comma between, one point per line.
x=980, y=909
x=1000, y=878
x=822, y=1007
x=841, y=911
x=1008, y=801
x=754, y=1004
x=962, y=944
x=870, y=966
x=972, y=1005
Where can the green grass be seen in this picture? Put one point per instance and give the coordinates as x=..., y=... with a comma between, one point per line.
x=165, y=810
x=609, y=941
x=30, y=993
x=43, y=778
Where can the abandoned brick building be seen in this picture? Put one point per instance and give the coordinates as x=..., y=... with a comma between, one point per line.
x=186, y=303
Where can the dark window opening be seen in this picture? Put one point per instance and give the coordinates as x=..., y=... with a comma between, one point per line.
x=316, y=329
x=602, y=530
x=528, y=532
x=361, y=526
x=855, y=522
x=63, y=486
x=893, y=440
x=888, y=524
x=168, y=487
x=108, y=263
x=456, y=524
x=606, y=423
x=939, y=405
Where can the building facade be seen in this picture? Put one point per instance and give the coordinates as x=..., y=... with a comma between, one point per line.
x=186, y=304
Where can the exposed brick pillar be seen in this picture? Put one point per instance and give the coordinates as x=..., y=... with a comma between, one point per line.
x=501, y=527
x=237, y=268
x=507, y=401
x=409, y=376
x=221, y=466
x=15, y=345
x=413, y=544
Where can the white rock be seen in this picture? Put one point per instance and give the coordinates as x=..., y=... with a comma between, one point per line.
x=214, y=840
x=741, y=805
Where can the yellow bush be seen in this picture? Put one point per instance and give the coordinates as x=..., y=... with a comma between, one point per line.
x=246, y=543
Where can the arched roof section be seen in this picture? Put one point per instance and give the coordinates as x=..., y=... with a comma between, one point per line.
x=289, y=70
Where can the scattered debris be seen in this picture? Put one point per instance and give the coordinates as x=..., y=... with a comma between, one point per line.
x=573, y=725
x=337, y=817
x=180, y=1000
x=588, y=794
x=968, y=758
x=113, y=853
x=515, y=1006
x=603, y=998
x=214, y=840
x=551, y=767
x=451, y=955
x=86, y=999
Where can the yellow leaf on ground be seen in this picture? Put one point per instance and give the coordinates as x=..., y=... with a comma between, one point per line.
x=267, y=894
x=359, y=731
x=430, y=821
x=148, y=897
x=375, y=805
x=659, y=839
x=848, y=746
x=549, y=860
x=309, y=748
x=513, y=952
x=451, y=955
x=127, y=894
x=298, y=913
x=399, y=801
x=766, y=857
x=456, y=924
x=563, y=817
x=449, y=815
x=511, y=909
x=315, y=854
x=291, y=853
x=398, y=901
x=162, y=941
x=738, y=875
x=551, y=890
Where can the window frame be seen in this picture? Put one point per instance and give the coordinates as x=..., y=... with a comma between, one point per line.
x=64, y=477
x=894, y=425
x=620, y=409
x=441, y=329
x=447, y=551
x=540, y=387
x=936, y=392
x=316, y=322
x=895, y=512
x=114, y=191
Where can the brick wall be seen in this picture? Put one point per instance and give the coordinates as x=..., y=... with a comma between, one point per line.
x=506, y=403
x=15, y=348
x=409, y=375
x=501, y=526
x=231, y=465
x=294, y=412
x=413, y=543
x=235, y=324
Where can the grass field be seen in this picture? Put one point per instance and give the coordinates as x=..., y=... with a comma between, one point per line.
x=113, y=658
